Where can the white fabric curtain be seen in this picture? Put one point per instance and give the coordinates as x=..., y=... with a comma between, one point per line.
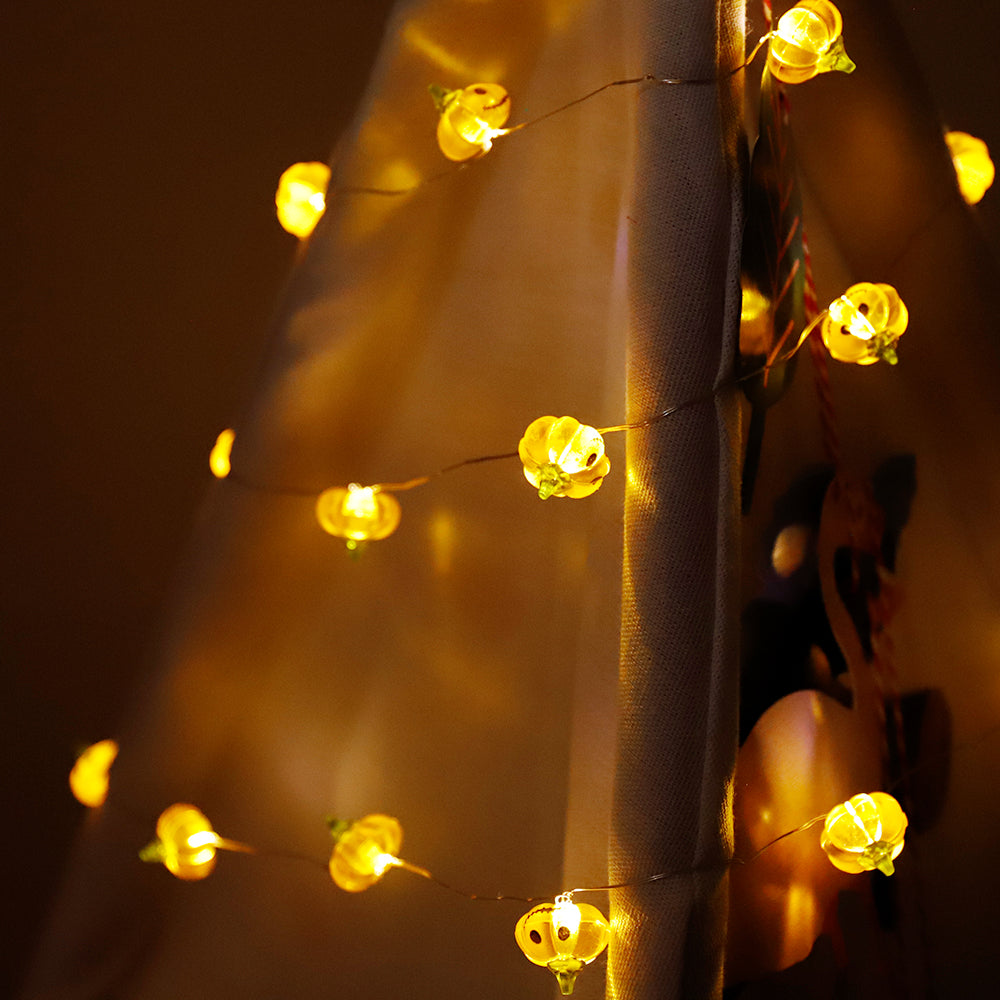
x=462, y=674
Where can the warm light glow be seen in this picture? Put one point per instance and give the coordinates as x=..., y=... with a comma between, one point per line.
x=358, y=513
x=301, y=197
x=470, y=119
x=973, y=166
x=864, y=324
x=218, y=459
x=364, y=850
x=564, y=937
x=755, y=320
x=185, y=843
x=790, y=549
x=864, y=833
x=563, y=458
x=807, y=41
x=88, y=780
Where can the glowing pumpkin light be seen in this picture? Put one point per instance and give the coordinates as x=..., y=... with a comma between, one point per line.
x=218, y=459
x=563, y=458
x=364, y=850
x=973, y=166
x=470, y=119
x=864, y=833
x=864, y=325
x=185, y=843
x=807, y=41
x=301, y=197
x=357, y=513
x=564, y=937
x=88, y=780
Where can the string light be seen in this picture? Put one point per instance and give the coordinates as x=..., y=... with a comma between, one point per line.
x=563, y=458
x=186, y=843
x=808, y=41
x=973, y=166
x=470, y=119
x=88, y=779
x=358, y=513
x=864, y=324
x=365, y=849
x=301, y=197
x=219, y=456
x=563, y=936
x=864, y=833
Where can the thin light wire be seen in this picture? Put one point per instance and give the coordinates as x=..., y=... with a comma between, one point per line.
x=408, y=484
x=356, y=189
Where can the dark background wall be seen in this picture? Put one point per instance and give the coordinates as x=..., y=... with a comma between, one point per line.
x=142, y=144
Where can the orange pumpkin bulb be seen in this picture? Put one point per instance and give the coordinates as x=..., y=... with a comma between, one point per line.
x=470, y=119
x=219, y=457
x=973, y=166
x=864, y=325
x=358, y=513
x=864, y=833
x=301, y=197
x=364, y=850
x=185, y=843
x=564, y=937
x=807, y=41
x=88, y=780
x=563, y=458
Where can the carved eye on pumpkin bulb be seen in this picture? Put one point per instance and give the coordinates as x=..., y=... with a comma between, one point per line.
x=864, y=324
x=564, y=937
x=470, y=119
x=808, y=41
x=864, y=833
x=563, y=458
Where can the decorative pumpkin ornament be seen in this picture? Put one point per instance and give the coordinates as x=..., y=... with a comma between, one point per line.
x=864, y=833
x=88, y=780
x=218, y=459
x=364, y=850
x=864, y=324
x=470, y=119
x=564, y=937
x=807, y=41
x=301, y=197
x=973, y=166
x=563, y=458
x=185, y=843
x=357, y=513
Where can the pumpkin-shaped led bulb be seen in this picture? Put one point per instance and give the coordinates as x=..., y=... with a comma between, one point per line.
x=973, y=166
x=364, y=850
x=563, y=458
x=185, y=843
x=218, y=458
x=563, y=936
x=301, y=197
x=864, y=833
x=357, y=513
x=470, y=119
x=88, y=780
x=864, y=324
x=807, y=41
